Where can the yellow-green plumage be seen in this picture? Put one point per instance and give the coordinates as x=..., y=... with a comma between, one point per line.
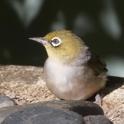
x=71, y=45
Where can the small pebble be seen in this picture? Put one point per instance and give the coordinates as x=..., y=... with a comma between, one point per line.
x=5, y=101
x=98, y=119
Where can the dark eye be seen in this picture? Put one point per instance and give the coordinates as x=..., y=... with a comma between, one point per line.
x=56, y=42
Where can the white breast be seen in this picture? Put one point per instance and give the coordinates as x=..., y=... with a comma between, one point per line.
x=71, y=82
x=60, y=75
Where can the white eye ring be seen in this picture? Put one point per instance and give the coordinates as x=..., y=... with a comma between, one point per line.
x=56, y=41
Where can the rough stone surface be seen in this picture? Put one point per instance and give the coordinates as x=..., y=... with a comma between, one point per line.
x=43, y=115
x=113, y=101
x=24, y=84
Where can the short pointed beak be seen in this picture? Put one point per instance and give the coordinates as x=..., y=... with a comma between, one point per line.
x=39, y=40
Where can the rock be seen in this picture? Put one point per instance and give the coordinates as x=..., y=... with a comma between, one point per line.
x=5, y=101
x=113, y=102
x=80, y=107
x=34, y=113
x=43, y=115
x=99, y=119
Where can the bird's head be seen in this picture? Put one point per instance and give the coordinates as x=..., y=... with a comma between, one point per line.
x=62, y=45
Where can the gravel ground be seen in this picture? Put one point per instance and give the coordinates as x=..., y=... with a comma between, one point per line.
x=24, y=84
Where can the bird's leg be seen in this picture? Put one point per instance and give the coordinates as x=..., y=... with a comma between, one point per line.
x=98, y=99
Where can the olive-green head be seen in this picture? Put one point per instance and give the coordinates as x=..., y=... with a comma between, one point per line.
x=62, y=45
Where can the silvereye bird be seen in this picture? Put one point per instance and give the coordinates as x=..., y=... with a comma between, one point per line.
x=72, y=71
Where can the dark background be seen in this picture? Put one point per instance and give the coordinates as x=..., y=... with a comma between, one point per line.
x=99, y=22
